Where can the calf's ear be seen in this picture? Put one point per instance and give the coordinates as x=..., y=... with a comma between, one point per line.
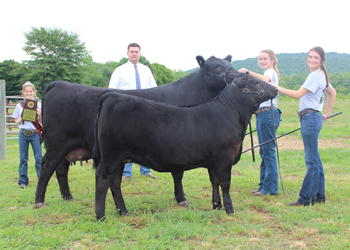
x=228, y=58
x=201, y=61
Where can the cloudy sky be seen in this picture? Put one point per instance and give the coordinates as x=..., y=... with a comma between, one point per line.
x=173, y=33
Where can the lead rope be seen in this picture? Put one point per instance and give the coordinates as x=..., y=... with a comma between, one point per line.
x=278, y=157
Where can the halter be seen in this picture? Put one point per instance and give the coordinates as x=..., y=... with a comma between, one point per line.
x=260, y=92
x=222, y=76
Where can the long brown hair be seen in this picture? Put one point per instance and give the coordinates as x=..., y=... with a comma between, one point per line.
x=322, y=54
x=273, y=57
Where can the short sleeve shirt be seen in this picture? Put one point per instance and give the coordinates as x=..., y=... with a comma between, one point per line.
x=316, y=85
x=18, y=112
x=272, y=74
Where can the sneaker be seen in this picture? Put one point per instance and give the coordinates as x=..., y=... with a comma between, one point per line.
x=151, y=176
x=295, y=203
x=259, y=194
x=22, y=186
x=127, y=178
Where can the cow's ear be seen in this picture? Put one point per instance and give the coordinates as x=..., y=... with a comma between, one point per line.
x=228, y=58
x=200, y=61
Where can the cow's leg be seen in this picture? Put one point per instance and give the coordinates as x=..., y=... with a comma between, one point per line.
x=224, y=177
x=101, y=189
x=179, y=192
x=216, y=200
x=62, y=178
x=48, y=167
x=117, y=193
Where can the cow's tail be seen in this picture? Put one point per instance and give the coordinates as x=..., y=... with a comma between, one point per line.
x=96, y=154
x=46, y=89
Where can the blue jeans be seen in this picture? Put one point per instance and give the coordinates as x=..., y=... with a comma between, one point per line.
x=24, y=141
x=128, y=170
x=313, y=188
x=268, y=168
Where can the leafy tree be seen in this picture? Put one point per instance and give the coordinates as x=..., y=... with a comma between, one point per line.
x=162, y=74
x=100, y=74
x=12, y=79
x=57, y=55
x=178, y=74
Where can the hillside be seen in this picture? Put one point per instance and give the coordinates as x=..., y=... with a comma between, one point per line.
x=296, y=63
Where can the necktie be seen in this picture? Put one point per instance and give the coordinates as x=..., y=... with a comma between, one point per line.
x=138, y=83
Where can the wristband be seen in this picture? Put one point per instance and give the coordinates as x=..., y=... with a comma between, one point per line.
x=247, y=72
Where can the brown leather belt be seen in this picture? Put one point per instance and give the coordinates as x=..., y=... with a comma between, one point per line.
x=28, y=132
x=262, y=110
x=301, y=113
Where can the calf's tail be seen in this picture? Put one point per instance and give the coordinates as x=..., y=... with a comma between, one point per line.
x=96, y=154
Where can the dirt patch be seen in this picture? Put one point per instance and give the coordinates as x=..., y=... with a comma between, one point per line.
x=288, y=143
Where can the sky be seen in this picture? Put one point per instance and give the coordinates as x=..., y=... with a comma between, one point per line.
x=173, y=33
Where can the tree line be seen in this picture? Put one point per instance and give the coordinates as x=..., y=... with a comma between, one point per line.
x=57, y=54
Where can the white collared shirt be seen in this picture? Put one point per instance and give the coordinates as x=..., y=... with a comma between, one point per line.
x=124, y=77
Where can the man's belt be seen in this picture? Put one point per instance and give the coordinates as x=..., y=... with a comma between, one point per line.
x=301, y=113
x=262, y=110
x=28, y=132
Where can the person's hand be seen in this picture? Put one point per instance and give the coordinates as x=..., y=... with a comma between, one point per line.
x=243, y=70
x=18, y=120
x=325, y=117
x=38, y=111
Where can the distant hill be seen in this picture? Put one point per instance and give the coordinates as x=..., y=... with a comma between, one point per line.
x=295, y=63
x=289, y=63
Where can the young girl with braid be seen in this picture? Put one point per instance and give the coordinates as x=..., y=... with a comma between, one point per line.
x=311, y=95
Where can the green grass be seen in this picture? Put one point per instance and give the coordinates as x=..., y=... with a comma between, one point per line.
x=156, y=222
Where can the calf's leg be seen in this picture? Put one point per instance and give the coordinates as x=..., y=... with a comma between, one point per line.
x=216, y=199
x=224, y=177
x=49, y=163
x=101, y=189
x=178, y=189
x=62, y=178
x=117, y=193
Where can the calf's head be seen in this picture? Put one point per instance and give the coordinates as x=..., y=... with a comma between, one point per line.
x=254, y=90
x=218, y=72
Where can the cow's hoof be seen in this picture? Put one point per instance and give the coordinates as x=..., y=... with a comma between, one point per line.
x=40, y=205
x=69, y=198
x=184, y=204
x=102, y=219
x=122, y=213
x=217, y=206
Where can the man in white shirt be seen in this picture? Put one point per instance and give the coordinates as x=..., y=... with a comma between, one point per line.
x=133, y=75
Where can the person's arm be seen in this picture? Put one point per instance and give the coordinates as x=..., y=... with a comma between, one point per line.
x=114, y=81
x=296, y=94
x=18, y=120
x=151, y=81
x=256, y=75
x=38, y=111
x=17, y=114
x=331, y=98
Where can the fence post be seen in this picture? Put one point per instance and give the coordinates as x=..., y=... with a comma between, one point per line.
x=3, y=155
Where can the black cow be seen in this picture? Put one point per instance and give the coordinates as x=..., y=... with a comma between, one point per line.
x=69, y=111
x=168, y=138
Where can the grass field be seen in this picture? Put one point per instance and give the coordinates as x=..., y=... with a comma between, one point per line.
x=156, y=222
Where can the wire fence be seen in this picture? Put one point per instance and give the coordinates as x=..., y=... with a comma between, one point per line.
x=11, y=127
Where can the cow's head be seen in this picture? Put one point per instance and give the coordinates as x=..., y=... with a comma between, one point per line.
x=217, y=73
x=254, y=90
